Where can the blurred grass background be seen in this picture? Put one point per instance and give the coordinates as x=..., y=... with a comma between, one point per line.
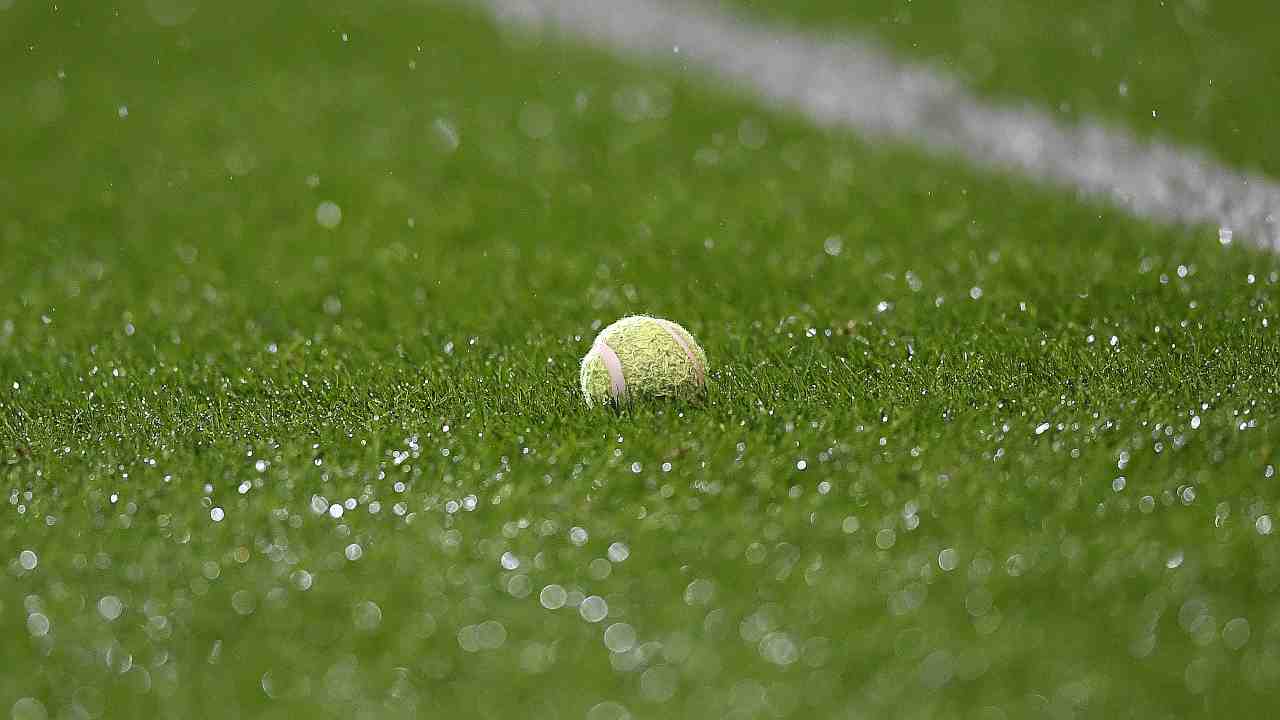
x=972, y=449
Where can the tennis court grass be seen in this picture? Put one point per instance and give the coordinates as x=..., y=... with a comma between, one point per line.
x=1196, y=72
x=972, y=448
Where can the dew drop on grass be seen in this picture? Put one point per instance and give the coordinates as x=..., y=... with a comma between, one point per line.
x=243, y=602
x=519, y=586
x=552, y=597
x=948, y=559
x=367, y=616
x=110, y=607
x=593, y=609
x=328, y=215
x=658, y=684
x=445, y=135
x=699, y=592
x=608, y=711
x=779, y=649
x=619, y=552
x=38, y=624
x=491, y=635
x=1235, y=633
x=301, y=579
x=28, y=708
x=619, y=637
x=599, y=569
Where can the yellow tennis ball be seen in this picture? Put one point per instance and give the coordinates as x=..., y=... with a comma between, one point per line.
x=643, y=357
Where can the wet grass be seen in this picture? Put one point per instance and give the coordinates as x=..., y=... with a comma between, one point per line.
x=971, y=448
x=1193, y=71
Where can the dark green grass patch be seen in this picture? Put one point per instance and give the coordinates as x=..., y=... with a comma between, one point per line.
x=969, y=448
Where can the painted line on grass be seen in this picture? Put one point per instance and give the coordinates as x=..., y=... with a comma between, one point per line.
x=843, y=82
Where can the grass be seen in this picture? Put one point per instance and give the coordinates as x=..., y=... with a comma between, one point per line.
x=256, y=467
x=1188, y=71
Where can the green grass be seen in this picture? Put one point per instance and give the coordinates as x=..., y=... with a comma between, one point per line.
x=1188, y=70
x=899, y=499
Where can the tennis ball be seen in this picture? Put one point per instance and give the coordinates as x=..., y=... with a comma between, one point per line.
x=643, y=357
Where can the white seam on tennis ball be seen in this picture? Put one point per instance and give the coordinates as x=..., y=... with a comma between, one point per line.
x=670, y=327
x=853, y=83
x=612, y=365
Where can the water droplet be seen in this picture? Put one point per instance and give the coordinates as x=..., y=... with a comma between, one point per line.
x=937, y=669
x=243, y=602
x=699, y=592
x=28, y=708
x=1235, y=634
x=367, y=616
x=778, y=648
x=446, y=135
x=329, y=215
x=619, y=637
x=658, y=684
x=948, y=559
x=38, y=624
x=608, y=711
x=619, y=552
x=593, y=609
x=110, y=607
x=491, y=635
x=301, y=580
x=599, y=569
x=552, y=597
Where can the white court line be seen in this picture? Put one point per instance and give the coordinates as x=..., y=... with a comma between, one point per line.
x=853, y=84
